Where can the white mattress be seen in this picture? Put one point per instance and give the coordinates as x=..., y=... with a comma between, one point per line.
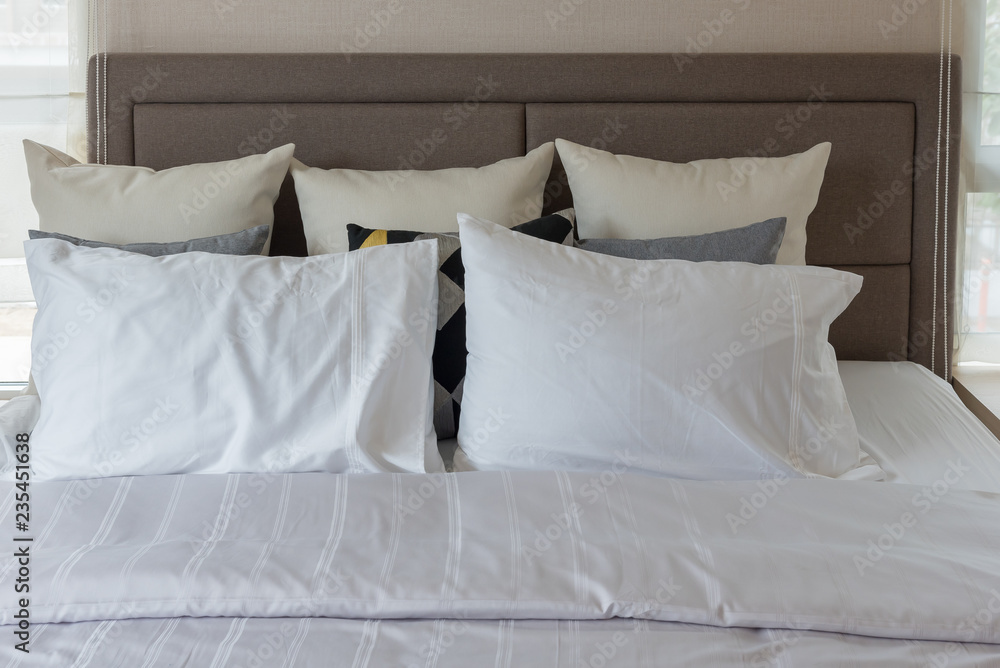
x=914, y=425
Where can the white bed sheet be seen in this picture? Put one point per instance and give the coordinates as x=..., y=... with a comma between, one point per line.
x=910, y=422
x=914, y=426
x=352, y=643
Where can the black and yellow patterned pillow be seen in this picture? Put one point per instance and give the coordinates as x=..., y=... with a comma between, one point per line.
x=449, y=345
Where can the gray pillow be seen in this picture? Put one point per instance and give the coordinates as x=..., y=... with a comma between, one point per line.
x=757, y=244
x=247, y=242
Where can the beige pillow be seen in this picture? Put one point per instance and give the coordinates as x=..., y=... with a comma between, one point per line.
x=624, y=197
x=121, y=204
x=509, y=192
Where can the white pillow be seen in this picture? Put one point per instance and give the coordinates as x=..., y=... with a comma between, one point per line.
x=509, y=191
x=17, y=417
x=709, y=370
x=201, y=363
x=624, y=197
x=120, y=204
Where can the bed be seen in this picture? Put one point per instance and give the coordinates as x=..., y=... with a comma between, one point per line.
x=593, y=567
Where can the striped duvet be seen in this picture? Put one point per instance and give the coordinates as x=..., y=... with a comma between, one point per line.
x=504, y=569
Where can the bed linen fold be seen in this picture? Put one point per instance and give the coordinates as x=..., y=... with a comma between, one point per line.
x=355, y=643
x=890, y=561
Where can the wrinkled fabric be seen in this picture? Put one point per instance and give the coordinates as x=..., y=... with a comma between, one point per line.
x=871, y=559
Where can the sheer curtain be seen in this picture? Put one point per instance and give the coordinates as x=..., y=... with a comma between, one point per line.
x=979, y=271
x=43, y=55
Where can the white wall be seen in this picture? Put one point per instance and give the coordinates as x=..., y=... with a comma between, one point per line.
x=526, y=25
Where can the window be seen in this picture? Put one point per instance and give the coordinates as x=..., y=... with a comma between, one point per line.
x=979, y=277
x=35, y=104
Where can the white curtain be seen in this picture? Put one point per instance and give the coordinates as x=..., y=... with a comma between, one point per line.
x=524, y=25
x=978, y=276
x=43, y=54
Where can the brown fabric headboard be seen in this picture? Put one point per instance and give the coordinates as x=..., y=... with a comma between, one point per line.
x=886, y=211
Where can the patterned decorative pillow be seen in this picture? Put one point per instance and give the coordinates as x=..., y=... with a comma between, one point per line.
x=449, y=346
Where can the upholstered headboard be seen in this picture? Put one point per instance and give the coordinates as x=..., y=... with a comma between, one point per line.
x=886, y=211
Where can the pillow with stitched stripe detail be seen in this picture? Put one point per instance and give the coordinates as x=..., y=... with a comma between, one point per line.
x=449, y=345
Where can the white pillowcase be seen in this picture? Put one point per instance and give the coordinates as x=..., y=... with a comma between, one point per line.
x=710, y=370
x=202, y=363
x=121, y=204
x=509, y=191
x=17, y=416
x=624, y=197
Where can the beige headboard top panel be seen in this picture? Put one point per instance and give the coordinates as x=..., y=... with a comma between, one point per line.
x=880, y=111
